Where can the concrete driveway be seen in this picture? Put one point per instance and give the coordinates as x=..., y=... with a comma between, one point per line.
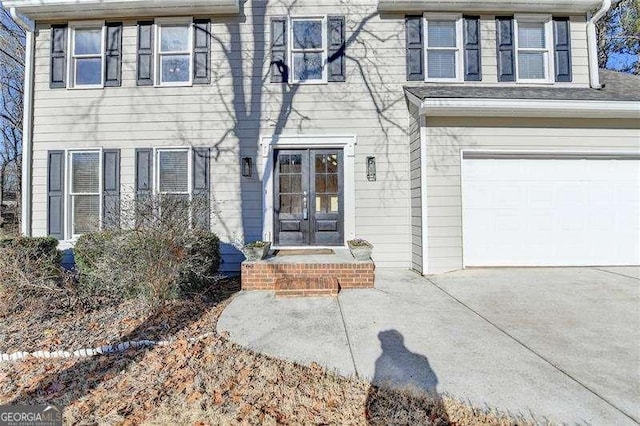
x=557, y=344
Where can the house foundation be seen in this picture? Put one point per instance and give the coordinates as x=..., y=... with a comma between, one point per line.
x=308, y=274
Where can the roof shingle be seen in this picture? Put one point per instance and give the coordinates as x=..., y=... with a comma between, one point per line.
x=617, y=87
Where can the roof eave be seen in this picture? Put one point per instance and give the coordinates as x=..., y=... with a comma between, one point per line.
x=542, y=6
x=480, y=107
x=93, y=9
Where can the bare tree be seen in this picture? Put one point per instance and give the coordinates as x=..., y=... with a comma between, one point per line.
x=12, y=55
x=619, y=37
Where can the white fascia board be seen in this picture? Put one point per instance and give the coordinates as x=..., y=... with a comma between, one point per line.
x=43, y=10
x=466, y=107
x=540, y=6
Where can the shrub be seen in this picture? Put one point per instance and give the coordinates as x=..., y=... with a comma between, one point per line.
x=29, y=272
x=34, y=246
x=156, y=263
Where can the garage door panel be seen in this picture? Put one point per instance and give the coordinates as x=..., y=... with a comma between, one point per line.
x=551, y=212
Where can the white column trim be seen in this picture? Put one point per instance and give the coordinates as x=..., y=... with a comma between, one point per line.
x=423, y=195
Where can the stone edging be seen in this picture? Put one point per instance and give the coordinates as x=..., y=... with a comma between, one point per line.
x=101, y=350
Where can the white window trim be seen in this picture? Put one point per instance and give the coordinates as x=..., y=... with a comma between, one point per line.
x=71, y=74
x=548, y=51
x=459, y=68
x=159, y=22
x=156, y=173
x=325, y=48
x=68, y=203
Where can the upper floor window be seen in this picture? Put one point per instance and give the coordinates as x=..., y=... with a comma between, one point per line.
x=87, y=55
x=443, y=47
x=308, y=50
x=174, y=59
x=533, y=48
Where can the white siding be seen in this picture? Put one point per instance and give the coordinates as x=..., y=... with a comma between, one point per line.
x=446, y=137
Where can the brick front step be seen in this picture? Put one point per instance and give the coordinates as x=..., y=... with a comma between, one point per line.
x=263, y=275
x=307, y=286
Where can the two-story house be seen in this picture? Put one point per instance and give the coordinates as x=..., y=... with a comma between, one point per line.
x=447, y=133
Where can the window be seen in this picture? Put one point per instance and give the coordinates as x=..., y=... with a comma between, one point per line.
x=533, y=61
x=85, y=192
x=443, y=47
x=174, y=182
x=174, y=59
x=308, y=50
x=87, y=55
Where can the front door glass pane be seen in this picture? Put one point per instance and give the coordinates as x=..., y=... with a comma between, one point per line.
x=326, y=180
x=290, y=184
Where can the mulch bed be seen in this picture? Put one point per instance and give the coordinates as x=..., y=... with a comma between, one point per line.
x=41, y=329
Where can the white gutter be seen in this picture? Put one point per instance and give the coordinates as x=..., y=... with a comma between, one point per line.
x=48, y=10
x=592, y=44
x=466, y=107
x=488, y=6
x=27, y=121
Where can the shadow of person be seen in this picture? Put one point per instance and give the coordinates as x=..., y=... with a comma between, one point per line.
x=404, y=386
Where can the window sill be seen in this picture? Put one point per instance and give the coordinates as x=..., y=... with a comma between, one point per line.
x=443, y=80
x=309, y=83
x=187, y=84
x=535, y=82
x=93, y=87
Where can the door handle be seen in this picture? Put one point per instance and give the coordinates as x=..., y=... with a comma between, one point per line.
x=305, y=210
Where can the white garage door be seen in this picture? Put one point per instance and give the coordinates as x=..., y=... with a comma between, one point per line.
x=560, y=211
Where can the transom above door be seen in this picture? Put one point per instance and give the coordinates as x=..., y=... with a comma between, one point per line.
x=309, y=197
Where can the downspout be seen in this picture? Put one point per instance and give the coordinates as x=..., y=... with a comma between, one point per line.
x=592, y=43
x=27, y=120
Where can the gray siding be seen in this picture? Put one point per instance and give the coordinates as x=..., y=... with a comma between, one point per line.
x=240, y=106
x=415, y=169
x=447, y=136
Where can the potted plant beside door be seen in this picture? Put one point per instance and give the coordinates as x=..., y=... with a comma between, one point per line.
x=360, y=249
x=256, y=250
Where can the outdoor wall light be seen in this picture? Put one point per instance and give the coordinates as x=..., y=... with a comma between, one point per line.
x=371, y=169
x=247, y=166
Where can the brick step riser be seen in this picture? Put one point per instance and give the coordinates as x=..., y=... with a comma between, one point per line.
x=264, y=276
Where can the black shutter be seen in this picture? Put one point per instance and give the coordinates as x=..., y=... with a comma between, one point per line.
x=55, y=194
x=111, y=186
x=113, y=55
x=201, y=210
x=202, y=51
x=145, y=53
x=562, y=48
x=415, y=48
x=144, y=183
x=58, y=78
x=505, y=49
x=336, y=41
x=279, y=68
x=472, y=61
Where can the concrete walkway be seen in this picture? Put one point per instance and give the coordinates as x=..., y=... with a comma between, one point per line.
x=560, y=344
